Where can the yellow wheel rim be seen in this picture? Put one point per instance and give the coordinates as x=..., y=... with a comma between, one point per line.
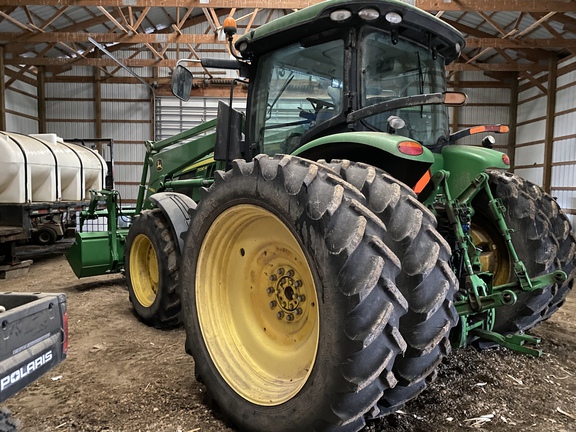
x=257, y=305
x=494, y=257
x=144, y=270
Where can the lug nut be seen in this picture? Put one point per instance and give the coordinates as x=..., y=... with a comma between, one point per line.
x=280, y=315
x=301, y=298
x=289, y=317
x=298, y=283
x=290, y=273
x=269, y=290
x=298, y=311
x=273, y=277
x=273, y=304
x=280, y=271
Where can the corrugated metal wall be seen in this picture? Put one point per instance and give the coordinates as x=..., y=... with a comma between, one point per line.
x=125, y=118
x=530, y=131
x=564, y=152
x=70, y=106
x=21, y=107
x=487, y=104
x=174, y=116
x=126, y=114
x=530, y=148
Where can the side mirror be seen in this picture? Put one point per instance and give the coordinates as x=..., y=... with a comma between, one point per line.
x=181, y=84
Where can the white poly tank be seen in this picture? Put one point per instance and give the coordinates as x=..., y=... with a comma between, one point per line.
x=43, y=168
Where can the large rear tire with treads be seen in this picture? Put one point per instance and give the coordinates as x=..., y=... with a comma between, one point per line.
x=289, y=301
x=426, y=279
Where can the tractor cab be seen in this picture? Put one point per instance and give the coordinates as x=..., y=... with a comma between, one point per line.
x=344, y=66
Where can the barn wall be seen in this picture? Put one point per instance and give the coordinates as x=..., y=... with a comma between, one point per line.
x=530, y=149
x=21, y=106
x=488, y=103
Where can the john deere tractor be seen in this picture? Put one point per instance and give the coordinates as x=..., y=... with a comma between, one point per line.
x=326, y=248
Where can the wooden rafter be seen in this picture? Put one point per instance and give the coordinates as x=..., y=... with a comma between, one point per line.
x=226, y=4
x=130, y=26
x=533, y=54
x=498, y=5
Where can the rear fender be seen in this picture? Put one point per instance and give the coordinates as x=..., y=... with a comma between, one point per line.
x=374, y=148
x=175, y=207
x=464, y=163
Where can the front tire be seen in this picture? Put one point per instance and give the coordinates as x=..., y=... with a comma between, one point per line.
x=289, y=301
x=151, y=262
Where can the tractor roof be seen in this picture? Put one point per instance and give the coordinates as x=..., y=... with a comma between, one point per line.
x=416, y=25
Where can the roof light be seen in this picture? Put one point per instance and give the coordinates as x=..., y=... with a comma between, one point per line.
x=393, y=17
x=369, y=14
x=410, y=148
x=340, y=15
x=230, y=26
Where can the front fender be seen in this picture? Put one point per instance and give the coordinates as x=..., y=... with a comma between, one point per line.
x=464, y=163
x=175, y=207
x=374, y=148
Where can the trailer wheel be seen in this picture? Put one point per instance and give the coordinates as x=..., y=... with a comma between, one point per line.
x=426, y=281
x=289, y=302
x=46, y=236
x=151, y=261
x=537, y=241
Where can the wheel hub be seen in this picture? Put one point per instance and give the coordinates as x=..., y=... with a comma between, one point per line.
x=286, y=293
x=257, y=305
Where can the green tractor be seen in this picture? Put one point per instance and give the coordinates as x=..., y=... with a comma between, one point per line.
x=326, y=249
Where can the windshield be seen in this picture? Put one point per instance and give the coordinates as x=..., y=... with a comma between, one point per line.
x=297, y=89
x=391, y=71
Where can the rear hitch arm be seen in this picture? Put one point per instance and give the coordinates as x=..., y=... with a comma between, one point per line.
x=515, y=342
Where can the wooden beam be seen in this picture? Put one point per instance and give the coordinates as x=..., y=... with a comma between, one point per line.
x=14, y=38
x=496, y=5
x=2, y=91
x=472, y=42
x=105, y=62
x=7, y=11
x=15, y=22
x=97, y=103
x=228, y=4
x=535, y=25
x=497, y=67
x=41, y=100
x=512, y=122
x=549, y=133
x=532, y=54
x=53, y=17
x=96, y=62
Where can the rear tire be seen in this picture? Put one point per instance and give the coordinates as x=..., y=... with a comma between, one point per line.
x=426, y=281
x=280, y=237
x=151, y=262
x=535, y=242
x=561, y=229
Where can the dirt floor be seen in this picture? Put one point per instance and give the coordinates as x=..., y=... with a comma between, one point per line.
x=121, y=375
